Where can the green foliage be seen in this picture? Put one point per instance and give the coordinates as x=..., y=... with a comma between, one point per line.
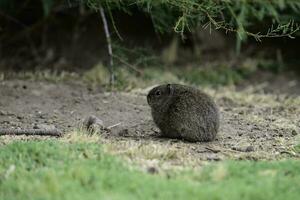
x=47, y=5
x=270, y=65
x=230, y=15
x=219, y=75
x=136, y=56
x=60, y=170
x=246, y=18
x=239, y=17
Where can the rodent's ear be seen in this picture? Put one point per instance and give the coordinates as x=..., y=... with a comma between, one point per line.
x=170, y=89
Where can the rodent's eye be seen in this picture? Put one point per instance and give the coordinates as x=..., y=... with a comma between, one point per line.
x=158, y=93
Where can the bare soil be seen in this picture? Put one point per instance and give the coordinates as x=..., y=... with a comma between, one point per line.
x=253, y=125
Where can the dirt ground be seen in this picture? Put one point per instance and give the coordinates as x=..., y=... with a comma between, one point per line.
x=254, y=125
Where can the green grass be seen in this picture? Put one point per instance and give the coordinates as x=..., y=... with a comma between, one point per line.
x=62, y=170
x=297, y=148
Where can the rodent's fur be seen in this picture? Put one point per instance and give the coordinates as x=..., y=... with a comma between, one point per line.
x=184, y=112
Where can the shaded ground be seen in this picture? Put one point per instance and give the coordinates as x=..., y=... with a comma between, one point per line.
x=254, y=125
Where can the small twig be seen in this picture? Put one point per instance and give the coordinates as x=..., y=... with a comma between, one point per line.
x=213, y=150
x=129, y=65
x=108, y=40
x=292, y=153
x=112, y=126
x=113, y=22
x=42, y=132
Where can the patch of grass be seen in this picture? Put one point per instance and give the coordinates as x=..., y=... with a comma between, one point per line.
x=212, y=76
x=97, y=75
x=62, y=170
x=127, y=79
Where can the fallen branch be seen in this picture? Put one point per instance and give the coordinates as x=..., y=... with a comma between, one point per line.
x=41, y=132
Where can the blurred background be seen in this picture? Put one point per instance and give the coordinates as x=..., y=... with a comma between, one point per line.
x=198, y=42
x=74, y=65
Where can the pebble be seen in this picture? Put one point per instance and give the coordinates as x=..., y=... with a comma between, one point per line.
x=20, y=117
x=152, y=170
x=2, y=113
x=123, y=132
x=294, y=132
x=213, y=158
x=244, y=148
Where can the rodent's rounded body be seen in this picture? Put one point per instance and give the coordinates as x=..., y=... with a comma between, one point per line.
x=184, y=112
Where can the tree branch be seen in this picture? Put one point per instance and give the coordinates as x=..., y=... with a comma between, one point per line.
x=109, y=46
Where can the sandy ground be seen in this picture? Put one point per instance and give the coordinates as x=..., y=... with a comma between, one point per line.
x=254, y=125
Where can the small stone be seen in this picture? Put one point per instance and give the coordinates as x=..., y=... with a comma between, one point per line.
x=213, y=158
x=152, y=170
x=6, y=122
x=249, y=149
x=294, y=132
x=14, y=123
x=41, y=116
x=244, y=148
x=3, y=113
x=20, y=117
x=227, y=109
x=123, y=132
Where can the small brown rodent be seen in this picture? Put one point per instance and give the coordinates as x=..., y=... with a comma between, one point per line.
x=184, y=112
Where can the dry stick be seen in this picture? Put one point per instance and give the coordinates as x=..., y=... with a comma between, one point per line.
x=112, y=126
x=129, y=65
x=42, y=132
x=108, y=40
x=213, y=149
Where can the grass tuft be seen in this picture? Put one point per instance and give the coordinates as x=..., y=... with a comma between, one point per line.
x=61, y=170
